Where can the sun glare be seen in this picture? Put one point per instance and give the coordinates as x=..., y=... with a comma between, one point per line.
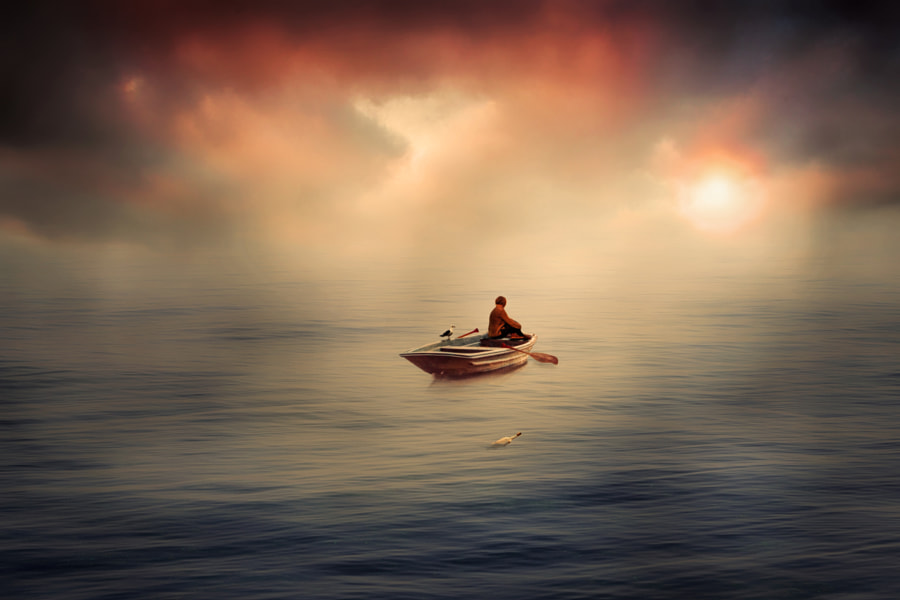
x=721, y=202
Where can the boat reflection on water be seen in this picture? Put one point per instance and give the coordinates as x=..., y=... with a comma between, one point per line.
x=472, y=377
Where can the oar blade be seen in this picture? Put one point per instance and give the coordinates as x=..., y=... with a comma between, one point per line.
x=538, y=356
x=544, y=358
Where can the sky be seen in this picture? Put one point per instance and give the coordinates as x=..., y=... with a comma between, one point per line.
x=347, y=130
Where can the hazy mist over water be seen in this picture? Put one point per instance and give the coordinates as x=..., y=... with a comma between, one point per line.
x=232, y=430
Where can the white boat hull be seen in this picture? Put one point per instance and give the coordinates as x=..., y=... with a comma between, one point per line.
x=467, y=356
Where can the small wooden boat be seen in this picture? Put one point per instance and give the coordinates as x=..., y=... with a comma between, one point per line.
x=465, y=356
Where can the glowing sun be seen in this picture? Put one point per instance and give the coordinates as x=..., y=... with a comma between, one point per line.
x=721, y=202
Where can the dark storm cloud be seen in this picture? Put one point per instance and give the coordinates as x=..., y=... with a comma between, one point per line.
x=57, y=77
x=63, y=59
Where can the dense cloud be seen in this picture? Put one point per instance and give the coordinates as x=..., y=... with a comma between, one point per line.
x=186, y=122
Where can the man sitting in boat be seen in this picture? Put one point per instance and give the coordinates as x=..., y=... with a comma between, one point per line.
x=501, y=324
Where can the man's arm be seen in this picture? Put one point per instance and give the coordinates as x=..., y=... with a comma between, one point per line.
x=509, y=320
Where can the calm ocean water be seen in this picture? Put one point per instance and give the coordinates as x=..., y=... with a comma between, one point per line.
x=170, y=435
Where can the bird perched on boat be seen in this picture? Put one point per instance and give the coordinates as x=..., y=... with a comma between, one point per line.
x=449, y=332
x=506, y=441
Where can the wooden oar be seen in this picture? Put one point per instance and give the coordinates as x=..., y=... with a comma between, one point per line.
x=538, y=356
x=470, y=333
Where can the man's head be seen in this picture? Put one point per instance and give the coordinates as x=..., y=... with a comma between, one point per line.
x=500, y=300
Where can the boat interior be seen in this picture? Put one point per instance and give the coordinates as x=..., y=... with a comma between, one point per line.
x=506, y=341
x=486, y=343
